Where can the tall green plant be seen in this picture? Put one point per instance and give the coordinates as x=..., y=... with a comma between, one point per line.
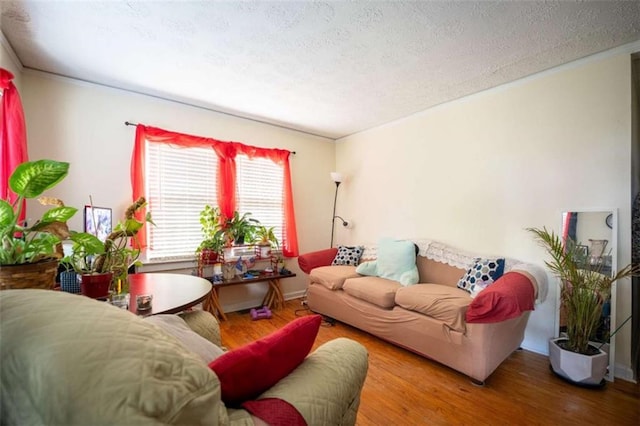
x=582, y=291
x=20, y=243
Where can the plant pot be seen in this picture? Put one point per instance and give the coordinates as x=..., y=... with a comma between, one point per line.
x=265, y=251
x=69, y=282
x=96, y=286
x=29, y=275
x=579, y=369
x=208, y=257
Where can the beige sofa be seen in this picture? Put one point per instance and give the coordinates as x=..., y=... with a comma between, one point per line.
x=71, y=360
x=433, y=318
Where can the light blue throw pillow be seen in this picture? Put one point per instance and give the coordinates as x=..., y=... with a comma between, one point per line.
x=368, y=268
x=397, y=261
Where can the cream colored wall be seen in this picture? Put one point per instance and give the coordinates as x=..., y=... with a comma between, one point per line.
x=83, y=124
x=478, y=171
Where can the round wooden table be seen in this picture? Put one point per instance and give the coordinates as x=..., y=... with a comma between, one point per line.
x=172, y=293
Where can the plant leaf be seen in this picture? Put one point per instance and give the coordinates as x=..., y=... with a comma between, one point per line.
x=7, y=216
x=32, y=178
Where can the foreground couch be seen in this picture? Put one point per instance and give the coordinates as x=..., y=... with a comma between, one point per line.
x=434, y=317
x=70, y=360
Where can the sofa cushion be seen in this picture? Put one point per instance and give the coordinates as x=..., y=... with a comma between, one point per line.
x=507, y=298
x=482, y=270
x=192, y=341
x=378, y=291
x=397, y=261
x=248, y=371
x=332, y=277
x=348, y=255
x=442, y=302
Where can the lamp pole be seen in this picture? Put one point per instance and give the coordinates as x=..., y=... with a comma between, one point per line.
x=333, y=216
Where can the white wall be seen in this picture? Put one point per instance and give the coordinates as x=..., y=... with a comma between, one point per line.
x=83, y=124
x=476, y=172
x=9, y=61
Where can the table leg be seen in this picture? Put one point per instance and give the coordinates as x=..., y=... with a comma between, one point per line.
x=274, y=297
x=212, y=305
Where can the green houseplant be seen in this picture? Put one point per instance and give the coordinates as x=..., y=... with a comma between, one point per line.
x=112, y=258
x=583, y=292
x=266, y=238
x=34, y=250
x=238, y=228
x=212, y=241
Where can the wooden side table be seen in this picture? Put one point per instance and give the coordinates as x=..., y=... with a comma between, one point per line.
x=274, y=298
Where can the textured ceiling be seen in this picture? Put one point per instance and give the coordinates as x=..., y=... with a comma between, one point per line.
x=323, y=67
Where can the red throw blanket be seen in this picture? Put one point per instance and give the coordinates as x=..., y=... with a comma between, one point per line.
x=510, y=296
x=275, y=412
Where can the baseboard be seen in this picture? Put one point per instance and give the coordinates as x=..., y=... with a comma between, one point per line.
x=248, y=304
x=623, y=372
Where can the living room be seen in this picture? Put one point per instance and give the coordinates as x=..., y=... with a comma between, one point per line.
x=474, y=172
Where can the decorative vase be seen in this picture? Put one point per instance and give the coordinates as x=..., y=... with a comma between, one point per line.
x=69, y=282
x=29, y=275
x=95, y=286
x=579, y=369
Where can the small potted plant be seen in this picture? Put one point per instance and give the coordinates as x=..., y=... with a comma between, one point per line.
x=583, y=292
x=212, y=242
x=239, y=228
x=99, y=264
x=266, y=239
x=29, y=255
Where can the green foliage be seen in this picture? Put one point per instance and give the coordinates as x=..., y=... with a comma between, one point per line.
x=19, y=243
x=212, y=237
x=115, y=254
x=239, y=229
x=582, y=291
x=266, y=235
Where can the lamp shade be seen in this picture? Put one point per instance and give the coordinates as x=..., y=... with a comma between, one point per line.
x=336, y=177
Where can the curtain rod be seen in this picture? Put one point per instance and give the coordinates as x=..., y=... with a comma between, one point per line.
x=127, y=123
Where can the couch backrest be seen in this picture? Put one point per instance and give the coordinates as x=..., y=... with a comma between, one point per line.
x=434, y=272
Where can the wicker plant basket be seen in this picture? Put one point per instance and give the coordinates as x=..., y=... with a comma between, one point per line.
x=29, y=275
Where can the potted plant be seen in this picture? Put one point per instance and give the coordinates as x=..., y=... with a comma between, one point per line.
x=212, y=241
x=29, y=255
x=583, y=292
x=238, y=228
x=99, y=264
x=266, y=238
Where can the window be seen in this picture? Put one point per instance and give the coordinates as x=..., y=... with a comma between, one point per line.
x=259, y=190
x=179, y=174
x=180, y=181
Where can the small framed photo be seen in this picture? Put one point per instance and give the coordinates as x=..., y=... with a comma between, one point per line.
x=97, y=221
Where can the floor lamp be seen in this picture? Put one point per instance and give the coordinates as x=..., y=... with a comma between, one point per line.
x=337, y=178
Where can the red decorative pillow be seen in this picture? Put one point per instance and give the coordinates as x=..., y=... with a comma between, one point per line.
x=248, y=371
x=510, y=296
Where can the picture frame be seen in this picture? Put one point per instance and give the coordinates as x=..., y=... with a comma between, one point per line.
x=98, y=221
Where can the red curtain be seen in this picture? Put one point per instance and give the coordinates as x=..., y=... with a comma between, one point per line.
x=13, y=136
x=226, y=152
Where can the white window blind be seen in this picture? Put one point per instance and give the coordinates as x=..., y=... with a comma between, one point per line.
x=180, y=182
x=259, y=190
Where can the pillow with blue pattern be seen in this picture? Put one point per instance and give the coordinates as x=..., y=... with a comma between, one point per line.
x=481, y=272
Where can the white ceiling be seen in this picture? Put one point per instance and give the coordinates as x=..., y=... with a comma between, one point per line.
x=330, y=68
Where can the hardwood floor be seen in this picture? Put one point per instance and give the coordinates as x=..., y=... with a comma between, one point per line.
x=405, y=389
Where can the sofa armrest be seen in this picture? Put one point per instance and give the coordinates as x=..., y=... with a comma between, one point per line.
x=507, y=298
x=315, y=259
x=205, y=324
x=325, y=388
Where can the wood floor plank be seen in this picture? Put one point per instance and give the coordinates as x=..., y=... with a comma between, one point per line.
x=403, y=388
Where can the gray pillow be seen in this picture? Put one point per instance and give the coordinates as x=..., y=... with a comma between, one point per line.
x=192, y=341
